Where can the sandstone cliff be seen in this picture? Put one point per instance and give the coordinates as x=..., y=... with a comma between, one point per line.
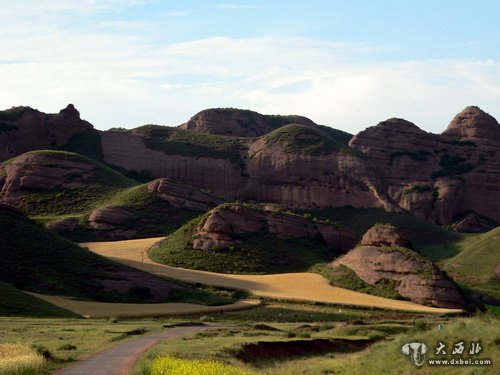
x=24, y=129
x=382, y=255
x=296, y=163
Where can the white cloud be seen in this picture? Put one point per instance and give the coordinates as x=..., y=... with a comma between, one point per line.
x=119, y=78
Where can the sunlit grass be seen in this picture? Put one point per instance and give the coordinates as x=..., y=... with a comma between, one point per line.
x=19, y=359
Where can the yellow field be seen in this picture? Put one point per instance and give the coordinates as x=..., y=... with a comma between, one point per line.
x=293, y=286
x=91, y=309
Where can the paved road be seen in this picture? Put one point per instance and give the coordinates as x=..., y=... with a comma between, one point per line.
x=120, y=359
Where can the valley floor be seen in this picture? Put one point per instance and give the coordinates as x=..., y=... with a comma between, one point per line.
x=288, y=286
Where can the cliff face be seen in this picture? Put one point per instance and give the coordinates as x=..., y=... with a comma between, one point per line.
x=438, y=177
x=24, y=129
x=294, y=162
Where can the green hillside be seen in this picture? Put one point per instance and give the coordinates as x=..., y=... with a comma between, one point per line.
x=82, y=192
x=14, y=302
x=36, y=260
x=258, y=253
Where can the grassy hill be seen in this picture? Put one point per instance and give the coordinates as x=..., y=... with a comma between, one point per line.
x=300, y=139
x=428, y=239
x=14, y=302
x=36, y=260
x=258, y=252
x=476, y=261
x=80, y=192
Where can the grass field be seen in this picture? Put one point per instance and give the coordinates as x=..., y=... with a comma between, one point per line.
x=19, y=359
x=384, y=356
x=14, y=302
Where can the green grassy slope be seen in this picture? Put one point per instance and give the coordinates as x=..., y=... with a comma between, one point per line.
x=14, y=302
x=260, y=252
x=36, y=260
x=176, y=141
x=299, y=139
x=428, y=239
x=101, y=183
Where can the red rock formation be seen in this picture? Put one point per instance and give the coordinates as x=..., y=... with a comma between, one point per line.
x=219, y=228
x=417, y=278
x=239, y=123
x=24, y=129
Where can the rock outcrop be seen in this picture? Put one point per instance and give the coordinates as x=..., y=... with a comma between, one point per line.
x=394, y=165
x=379, y=258
x=221, y=227
x=239, y=123
x=25, y=129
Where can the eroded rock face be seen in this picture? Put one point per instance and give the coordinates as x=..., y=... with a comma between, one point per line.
x=239, y=123
x=417, y=278
x=183, y=196
x=222, y=225
x=384, y=235
x=438, y=177
x=473, y=223
x=24, y=129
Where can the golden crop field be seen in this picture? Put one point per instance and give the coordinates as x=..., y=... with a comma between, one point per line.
x=291, y=286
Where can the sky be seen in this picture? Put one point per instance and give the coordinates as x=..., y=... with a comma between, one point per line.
x=343, y=63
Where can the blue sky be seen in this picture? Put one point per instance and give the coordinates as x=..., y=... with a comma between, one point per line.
x=347, y=64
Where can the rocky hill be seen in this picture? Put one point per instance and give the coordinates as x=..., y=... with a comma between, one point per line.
x=384, y=255
x=233, y=238
x=289, y=160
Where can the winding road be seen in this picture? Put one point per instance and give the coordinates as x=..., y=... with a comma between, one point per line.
x=120, y=359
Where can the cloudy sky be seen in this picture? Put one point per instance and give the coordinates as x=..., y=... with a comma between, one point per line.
x=347, y=64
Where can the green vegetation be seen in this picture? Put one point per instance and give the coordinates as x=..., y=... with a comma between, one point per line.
x=427, y=239
x=17, y=303
x=418, y=189
x=452, y=165
x=94, y=186
x=344, y=277
x=37, y=260
x=175, y=141
x=299, y=139
x=226, y=344
x=259, y=252
x=420, y=155
x=475, y=263
x=52, y=337
x=150, y=215
x=87, y=143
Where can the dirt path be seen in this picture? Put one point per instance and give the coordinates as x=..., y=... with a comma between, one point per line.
x=297, y=286
x=120, y=359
